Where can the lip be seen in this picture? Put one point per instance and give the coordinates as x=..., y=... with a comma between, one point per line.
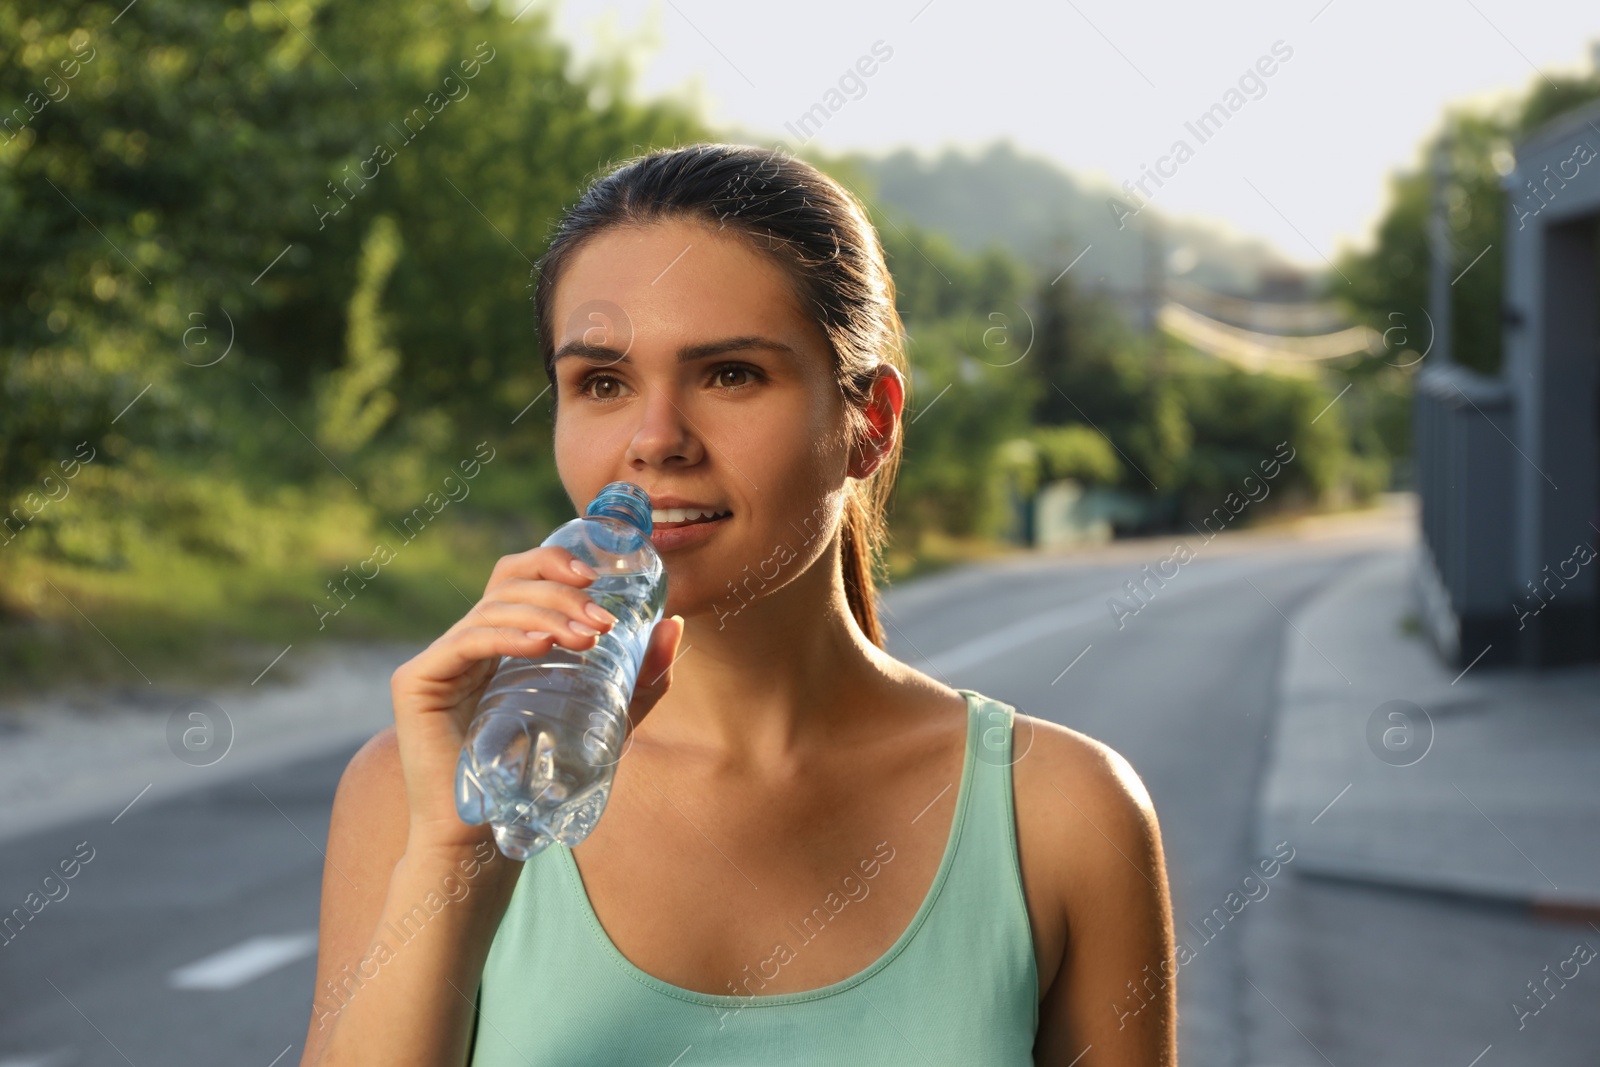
x=668, y=540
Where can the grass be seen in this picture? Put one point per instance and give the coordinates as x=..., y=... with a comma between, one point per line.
x=157, y=613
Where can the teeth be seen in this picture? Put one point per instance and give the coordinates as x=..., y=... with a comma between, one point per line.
x=682, y=514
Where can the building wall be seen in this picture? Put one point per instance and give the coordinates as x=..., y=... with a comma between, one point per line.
x=1552, y=368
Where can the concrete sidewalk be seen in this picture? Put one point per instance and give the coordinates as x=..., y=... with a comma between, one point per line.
x=1486, y=784
x=78, y=753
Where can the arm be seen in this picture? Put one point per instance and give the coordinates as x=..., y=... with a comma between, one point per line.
x=384, y=956
x=411, y=895
x=1113, y=1001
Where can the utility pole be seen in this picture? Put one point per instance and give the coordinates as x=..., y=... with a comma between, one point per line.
x=1153, y=293
x=1441, y=250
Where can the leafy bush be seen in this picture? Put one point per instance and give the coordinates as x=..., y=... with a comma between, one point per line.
x=1076, y=452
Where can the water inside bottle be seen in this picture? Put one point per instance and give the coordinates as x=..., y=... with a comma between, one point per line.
x=540, y=753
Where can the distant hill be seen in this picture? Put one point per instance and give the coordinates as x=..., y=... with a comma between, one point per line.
x=1045, y=215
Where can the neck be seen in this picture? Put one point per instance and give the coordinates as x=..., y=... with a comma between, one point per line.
x=773, y=680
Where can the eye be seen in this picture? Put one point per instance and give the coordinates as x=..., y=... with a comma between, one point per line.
x=724, y=371
x=594, y=378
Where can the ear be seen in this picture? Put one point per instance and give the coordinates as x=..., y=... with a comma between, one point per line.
x=883, y=419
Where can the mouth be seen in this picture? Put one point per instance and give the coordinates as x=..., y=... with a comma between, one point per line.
x=677, y=518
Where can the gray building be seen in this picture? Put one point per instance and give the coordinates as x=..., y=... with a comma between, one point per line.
x=1508, y=467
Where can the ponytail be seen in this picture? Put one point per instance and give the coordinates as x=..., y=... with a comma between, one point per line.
x=858, y=565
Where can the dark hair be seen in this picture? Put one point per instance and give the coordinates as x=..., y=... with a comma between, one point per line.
x=819, y=233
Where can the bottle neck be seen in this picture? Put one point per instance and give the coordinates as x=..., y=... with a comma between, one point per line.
x=624, y=502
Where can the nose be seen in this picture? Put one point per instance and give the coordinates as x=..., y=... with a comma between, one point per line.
x=664, y=437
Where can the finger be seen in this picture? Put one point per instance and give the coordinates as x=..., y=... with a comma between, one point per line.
x=575, y=602
x=551, y=562
x=655, y=672
x=456, y=652
x=581, y=632
x=663, y=651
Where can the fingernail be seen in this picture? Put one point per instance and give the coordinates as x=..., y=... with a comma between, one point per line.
x=584, y=569
x=536, y=634
x=600, y=614
x=587, y=631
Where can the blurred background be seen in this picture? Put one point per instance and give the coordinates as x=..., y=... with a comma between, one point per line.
x=1252, y=430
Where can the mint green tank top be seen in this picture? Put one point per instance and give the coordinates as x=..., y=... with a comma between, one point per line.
x=959, y=986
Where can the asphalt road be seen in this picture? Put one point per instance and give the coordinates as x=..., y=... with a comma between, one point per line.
x=189, y=937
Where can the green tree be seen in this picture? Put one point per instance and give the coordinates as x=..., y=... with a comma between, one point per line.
x=199, y=281
x=1094, y=371
x=1240, y=420
x=959, y=412
x=1388, y=287
x=355, y=401
x=1075, y=452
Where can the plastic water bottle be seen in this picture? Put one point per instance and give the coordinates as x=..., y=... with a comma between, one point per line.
x=542, y=747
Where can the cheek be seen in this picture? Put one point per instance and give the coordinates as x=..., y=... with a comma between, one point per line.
x=779, y=432
x=580, y=442
x=796, y=446
x=815, y=430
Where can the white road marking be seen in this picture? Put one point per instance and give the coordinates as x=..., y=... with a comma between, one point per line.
x=41, y=1059
x=1082, y=612
x=1010, y=638
x=244, y=962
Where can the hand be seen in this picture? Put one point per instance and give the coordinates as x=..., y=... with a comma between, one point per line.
x=533, y=601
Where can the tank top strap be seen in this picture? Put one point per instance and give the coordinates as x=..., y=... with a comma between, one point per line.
x=992, y=807
x=983, y=916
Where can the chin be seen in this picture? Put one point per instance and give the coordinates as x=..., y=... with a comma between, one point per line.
x=688, y=594
x=715, y=596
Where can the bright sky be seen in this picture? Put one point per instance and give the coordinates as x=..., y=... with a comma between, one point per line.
x=1105, y=87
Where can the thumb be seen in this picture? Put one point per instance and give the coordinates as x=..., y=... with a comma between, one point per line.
x=655, y=672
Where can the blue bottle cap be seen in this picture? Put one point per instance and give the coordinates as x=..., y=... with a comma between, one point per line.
x=623, y=501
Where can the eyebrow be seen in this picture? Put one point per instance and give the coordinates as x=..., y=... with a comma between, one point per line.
x=686, y=354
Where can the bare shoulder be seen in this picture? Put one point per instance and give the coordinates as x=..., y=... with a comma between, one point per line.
x=367, y=830
x=371, y=798
x=1057, y=767
x=1088, y=841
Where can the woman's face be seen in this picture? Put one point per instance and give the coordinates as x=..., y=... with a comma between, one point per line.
x=683, y=365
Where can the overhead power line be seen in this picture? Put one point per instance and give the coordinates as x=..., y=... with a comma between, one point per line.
x=1256, y=351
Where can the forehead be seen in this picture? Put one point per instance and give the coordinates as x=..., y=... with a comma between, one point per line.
x=675, y=278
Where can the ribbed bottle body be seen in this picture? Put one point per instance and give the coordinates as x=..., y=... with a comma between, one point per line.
x=542, y=748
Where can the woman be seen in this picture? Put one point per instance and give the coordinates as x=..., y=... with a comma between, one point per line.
x=813, y=853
